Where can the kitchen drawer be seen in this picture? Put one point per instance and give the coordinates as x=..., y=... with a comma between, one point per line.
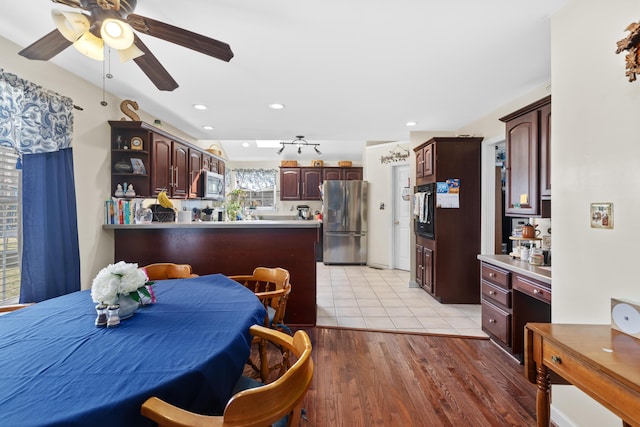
x=496, y=322
x=496, y=275
x=532, y=288
x=495, y=294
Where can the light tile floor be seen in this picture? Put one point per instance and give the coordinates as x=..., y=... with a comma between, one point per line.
x=364, y=297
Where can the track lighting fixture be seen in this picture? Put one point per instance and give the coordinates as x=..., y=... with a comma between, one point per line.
x=299, y=142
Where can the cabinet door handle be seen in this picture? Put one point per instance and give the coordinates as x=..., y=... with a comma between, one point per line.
x=492, y=292
x=176, y=171
x=537, y=292
x=556, y=359
x=492, y=274
x=171, y=176
x=492, y=320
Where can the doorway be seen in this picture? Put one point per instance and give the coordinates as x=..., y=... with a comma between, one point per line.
x=401, y=218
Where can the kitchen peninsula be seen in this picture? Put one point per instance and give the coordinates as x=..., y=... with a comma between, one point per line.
x=230, y=248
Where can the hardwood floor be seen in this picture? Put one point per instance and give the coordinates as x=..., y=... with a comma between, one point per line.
x=368, y=378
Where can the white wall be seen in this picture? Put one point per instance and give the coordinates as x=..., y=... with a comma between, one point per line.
x=380, y=178
x=595, y=158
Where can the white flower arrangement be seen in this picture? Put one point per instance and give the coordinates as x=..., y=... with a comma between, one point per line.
x=121, y=279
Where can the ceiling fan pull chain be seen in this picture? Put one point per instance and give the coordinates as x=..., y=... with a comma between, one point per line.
x=109, y=75
x=103, y=102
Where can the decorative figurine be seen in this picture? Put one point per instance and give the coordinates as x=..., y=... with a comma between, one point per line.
x=119, y=191
x=130, y=191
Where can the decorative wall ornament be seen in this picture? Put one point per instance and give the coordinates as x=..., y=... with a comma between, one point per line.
x=129, y=108
x=397, y=154
x=631, y=43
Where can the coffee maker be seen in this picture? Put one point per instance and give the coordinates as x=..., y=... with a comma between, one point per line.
x=303, y=212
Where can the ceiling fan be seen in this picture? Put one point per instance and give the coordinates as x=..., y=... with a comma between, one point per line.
x=111, y=22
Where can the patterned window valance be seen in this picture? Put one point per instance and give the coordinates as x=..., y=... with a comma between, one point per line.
x=32, y=118
x=255, y=179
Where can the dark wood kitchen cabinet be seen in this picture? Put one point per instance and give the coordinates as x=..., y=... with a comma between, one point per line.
x=449, y=260
x=290, y=184
x=195, y=171
x=424, y=163
x=310, y=179
x=528, y=160
x=510, y=300
x=303, y=183
x=171, y=164
x=169, y=167
x=342, y=173
x=424, y=267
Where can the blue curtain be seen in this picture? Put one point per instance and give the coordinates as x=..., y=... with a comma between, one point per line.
x=38, y=124
x=50, y=254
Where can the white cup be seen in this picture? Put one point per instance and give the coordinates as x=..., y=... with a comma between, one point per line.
x=524, y=254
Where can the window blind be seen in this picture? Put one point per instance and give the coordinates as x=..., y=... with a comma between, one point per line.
x=10, y=227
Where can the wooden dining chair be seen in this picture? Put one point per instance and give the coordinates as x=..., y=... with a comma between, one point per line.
x=260, y=406
x=167, y=270
x=13, y=307
x=272, y=287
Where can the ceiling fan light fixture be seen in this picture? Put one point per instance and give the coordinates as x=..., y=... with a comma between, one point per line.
x=90, y=45
x=116, y=33
x=317, y=151
x=131, y=53
x=70, y=24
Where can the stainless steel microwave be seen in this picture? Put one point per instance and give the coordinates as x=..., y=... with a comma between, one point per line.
x=212, y=185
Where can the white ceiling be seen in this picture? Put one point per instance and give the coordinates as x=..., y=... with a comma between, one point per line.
x=348, y=71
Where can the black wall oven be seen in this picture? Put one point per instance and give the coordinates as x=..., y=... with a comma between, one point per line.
x=425, y=220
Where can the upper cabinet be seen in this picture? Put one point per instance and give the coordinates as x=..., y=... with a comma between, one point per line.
x=169, y=163
x=303, y=183
x=342, y=173
x=425, y=162
x=528, y=160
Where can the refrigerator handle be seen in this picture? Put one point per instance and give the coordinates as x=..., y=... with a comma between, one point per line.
x=345, y=208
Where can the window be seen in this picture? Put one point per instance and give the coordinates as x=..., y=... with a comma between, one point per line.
x=10, y=227
x=259, y=187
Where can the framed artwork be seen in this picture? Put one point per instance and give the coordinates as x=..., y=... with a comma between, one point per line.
x=601, y=215
x=138, y=166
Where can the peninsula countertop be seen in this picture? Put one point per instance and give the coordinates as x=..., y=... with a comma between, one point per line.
x=541, y=273
x=248, y=224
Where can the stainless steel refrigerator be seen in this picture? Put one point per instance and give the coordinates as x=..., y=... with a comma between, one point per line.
x=344, y=222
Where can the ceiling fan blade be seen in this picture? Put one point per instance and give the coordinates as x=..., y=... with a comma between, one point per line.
x=47, y=47
x=150, y=65
x=71, y=3
x=182, y=37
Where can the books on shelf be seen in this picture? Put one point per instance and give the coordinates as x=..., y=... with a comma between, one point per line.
x=121, y=211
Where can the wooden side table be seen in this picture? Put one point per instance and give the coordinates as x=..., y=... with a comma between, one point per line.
x=602, y=362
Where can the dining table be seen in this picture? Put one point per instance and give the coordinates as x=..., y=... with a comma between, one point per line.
x=189, y=348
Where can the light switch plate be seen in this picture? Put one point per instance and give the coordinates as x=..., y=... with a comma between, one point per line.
x=625, y=316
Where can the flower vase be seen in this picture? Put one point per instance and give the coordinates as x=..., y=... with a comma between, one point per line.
x=128, y=306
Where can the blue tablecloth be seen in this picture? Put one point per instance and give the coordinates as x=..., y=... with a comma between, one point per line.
x=57, y=368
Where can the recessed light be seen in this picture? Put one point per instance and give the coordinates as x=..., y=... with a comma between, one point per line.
x=276, y=106
x=207, y=127
x=245, y=144
x=411, y=123
x=199, y=107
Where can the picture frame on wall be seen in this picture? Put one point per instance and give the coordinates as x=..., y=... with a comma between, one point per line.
x=601, y=215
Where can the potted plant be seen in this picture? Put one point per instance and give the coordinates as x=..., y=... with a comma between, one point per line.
x=235, y=200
